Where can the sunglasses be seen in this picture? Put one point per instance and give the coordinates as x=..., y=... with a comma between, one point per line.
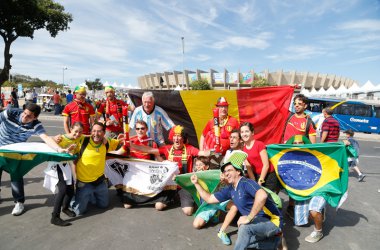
x=140, y=128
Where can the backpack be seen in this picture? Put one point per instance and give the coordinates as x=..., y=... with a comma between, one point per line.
x=85, y=142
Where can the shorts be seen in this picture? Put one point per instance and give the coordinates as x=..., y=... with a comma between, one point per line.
x=185, y=198
x=208, y=211
x=353, y=163
x=302, y=208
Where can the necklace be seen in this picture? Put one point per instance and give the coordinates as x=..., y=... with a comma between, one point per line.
x=96, y=146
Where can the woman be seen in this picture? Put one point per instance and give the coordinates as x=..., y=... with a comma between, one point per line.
x=257, y=163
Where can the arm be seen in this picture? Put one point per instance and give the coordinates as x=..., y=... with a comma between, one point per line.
x=324, y=136
x=313, y=138
x=145, y=149
x=209, y=198
x=201, y=141
x=51, y=143
x=265, y=169
x=260, y=199
x=249, y=170
x=66, y=126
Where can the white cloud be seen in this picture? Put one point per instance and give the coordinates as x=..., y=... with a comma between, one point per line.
x=261, y=41
x=360, y=25
x=300, y=52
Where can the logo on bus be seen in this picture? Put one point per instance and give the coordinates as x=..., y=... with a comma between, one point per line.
x=352, y=119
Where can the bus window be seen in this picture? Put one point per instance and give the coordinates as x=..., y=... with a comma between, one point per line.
x=363, y=110
x=345, y=109
x=377, y=111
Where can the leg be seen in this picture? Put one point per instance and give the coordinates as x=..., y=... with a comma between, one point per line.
x=18, y=195
x=316, y=205
x=187, y=202
x=82, y=197
x=198, y=222
x=188, y=210
x=58, y=198
x=229, y=216
x=101, y=195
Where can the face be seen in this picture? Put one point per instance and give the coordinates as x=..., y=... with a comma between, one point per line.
x=27, y=116
x=324, y=113
x=234, y=141
x=76, y=132
x=177, y=141
x=148, y=104
x=231, y=174
x=110, y=95
x=246, y=134
x=81, y=96
x=140, y=130
x=200, y=166
x=299, y=106
x=97, y=133
x=223, y=111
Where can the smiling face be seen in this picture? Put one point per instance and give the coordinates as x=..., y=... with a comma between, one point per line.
x=141, y=130
x=299, y=106
x=97, y=133
x=231, y=174
x=27, y=116
x=200, y=166
x=246, y=134
x=76, y=132
x=81, y=96
x=223, y=111
x=148, y=104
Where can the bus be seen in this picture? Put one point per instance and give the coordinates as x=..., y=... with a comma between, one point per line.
x=355, y=115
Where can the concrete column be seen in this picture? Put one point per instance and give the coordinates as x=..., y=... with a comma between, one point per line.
x=279, y=76
x=292, y=77
x=225, y=78
x=158, y=80
x=166, y=79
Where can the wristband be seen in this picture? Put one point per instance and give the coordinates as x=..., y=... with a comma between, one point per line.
x=261, y=181
x=250, y=218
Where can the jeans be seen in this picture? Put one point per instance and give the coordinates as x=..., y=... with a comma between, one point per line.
x=57, y=109
x=87, y=192
x=261, y=233
x=17, y=189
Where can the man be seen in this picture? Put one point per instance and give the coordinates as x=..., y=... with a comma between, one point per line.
x=69, y=96
x=14, y=98
x=90, y=166
x=154, y=116
x=141, y=138
x=16, y=126
x=111, y=109
x=330, y=127
x=179, y=152
x=299, y=123
x=235, y=143
x=226, y=125
x=78, y=111
x=261, y=222
x=57, y=103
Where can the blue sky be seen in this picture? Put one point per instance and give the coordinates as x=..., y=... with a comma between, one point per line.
x=117, y=41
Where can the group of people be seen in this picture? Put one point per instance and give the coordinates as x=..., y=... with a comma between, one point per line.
x=245, y=170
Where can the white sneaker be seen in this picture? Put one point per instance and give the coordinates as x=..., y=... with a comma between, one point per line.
x=314, y=237
x=18, y=209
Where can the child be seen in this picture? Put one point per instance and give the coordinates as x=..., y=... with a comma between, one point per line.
x=202, y=163
x=62, y=176
x=353, y=162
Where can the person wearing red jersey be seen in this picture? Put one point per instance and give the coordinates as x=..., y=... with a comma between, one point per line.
x=78, y=111
x=141, y=138
x=299, y=123
x=111, y=109
x=226, y=123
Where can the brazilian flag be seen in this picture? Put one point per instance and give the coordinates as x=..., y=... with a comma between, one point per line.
x=311, y=170
x=208, y=179
x=19, y=158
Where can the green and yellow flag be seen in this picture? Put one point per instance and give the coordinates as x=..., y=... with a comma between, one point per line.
x=209, y=180
x=311, y=170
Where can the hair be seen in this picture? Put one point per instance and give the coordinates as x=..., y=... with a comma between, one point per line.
x=34, y=108
x=147, y=94
x=204, y=159
x=69, y=91
x=99, y=124
x=301, y=97
x=141, y=122
x=235, y=130
x=249, y=125
x=329, y=111
x=349, y=132
x=77, y=124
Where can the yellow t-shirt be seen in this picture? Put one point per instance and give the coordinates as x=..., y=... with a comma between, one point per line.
x=66, y=142
x=93, y=160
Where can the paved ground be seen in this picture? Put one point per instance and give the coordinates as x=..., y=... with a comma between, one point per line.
x=354, y=226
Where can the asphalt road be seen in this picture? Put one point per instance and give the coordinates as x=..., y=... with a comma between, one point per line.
x=354, y=226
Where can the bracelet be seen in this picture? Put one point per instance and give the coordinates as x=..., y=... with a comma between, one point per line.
x=261, y=181
x=250, y=218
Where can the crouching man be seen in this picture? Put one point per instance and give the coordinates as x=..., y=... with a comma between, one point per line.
x=261, y=222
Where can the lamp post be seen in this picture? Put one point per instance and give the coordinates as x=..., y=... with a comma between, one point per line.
x=63, y=74
x=183, y=62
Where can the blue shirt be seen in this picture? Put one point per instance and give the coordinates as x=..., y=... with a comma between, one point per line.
x=13, y=131
x=355, y=144
x=244, y=196
x=69, y=98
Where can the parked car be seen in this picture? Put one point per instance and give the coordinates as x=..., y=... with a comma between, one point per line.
x=46, y=102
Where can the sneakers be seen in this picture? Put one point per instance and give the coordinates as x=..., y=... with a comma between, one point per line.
x=68, y=212
x=224, y=237
x=361, y=177
x=56, y=220
x=314, y=237
x=18, y=209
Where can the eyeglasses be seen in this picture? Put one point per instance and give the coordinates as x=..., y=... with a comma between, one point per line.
x=228, y=170
x=140, y=128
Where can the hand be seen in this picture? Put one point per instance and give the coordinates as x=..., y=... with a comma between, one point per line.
x=71, y=148
x=57, y=138
x=174, y=176
x=109, y=123
x=222, y=177
x=120, y=137
x=243, y=220
x=194, y=179
x=105, y=140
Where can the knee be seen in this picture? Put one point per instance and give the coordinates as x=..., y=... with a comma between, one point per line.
x=160, y=206
x=188, y=210
x=198, y=223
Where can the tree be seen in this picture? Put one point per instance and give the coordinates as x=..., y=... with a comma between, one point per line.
x=259, y=81
x=20, y=18
x=201, y=84
x=94, y=85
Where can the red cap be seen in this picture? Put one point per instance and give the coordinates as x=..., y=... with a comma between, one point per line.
x=222, y=101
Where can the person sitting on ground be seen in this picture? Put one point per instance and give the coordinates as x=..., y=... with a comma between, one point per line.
x=261, y=221
x=353, y=162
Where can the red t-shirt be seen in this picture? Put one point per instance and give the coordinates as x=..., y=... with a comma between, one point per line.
x=189, y=152
x=79, y=112
x=225, y=132
x=146, y=141
x=297, y=126
x=115, y=110
x=254, y=157
x=56, y=98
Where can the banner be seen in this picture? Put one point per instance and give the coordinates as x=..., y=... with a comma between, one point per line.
x=141, y=177
x=266, y=108
x=19, y=158
x=311, y=170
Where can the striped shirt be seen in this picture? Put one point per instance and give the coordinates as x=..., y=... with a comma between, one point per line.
x=13, y=131
x=157, y=120
x=331, y=126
